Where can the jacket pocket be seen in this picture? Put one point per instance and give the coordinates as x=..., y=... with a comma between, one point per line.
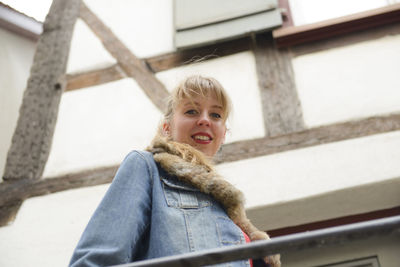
x=229, y=233
x=182, y=195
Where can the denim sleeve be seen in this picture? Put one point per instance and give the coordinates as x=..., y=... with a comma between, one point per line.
x=112, y=234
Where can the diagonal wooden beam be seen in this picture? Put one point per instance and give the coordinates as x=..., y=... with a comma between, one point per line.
x=160, y=63
x=33, y=135
x=12, y=193
x=131, y=65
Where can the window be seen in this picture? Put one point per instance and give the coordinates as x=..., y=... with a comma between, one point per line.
x=366, y=262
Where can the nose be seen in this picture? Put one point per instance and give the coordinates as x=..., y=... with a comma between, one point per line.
x=204, y=120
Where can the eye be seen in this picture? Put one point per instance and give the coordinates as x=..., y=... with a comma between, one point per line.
x=191, y=112
x=216, y=115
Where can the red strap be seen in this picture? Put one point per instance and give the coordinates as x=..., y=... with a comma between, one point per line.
x=247, y=238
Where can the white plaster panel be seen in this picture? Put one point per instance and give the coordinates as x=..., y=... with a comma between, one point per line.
x=87, y=51
x=145, y=27
x=16, y=56
x=310, y=11
x=48, y=228
x=237, y=74
x=356, y=81
x=317, y=170
x=98, y=126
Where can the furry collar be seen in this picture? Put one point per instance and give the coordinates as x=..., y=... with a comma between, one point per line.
x=191, y=166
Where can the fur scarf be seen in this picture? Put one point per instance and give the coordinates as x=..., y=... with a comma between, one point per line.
x=191, y=166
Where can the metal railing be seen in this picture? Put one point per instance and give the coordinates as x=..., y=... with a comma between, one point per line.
x=289, y=243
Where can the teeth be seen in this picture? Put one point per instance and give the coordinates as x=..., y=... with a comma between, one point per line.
x=202, y=137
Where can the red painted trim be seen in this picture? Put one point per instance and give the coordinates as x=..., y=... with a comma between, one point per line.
x=289, y=36
x=336, y=222
x=286, y=13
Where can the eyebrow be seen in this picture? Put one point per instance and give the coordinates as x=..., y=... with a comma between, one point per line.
x=190, y=103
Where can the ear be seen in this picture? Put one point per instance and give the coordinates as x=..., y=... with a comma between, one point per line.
x=166, y=129
x=223, y=139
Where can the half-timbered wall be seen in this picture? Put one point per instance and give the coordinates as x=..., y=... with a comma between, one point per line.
x=339, y=158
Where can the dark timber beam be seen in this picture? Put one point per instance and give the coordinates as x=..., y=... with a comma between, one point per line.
x=33, y=135
x=290, y=36
x=311, y=137
x=160, y=63
x=281, y=105
x=130, y=64
x=12, y=193
x=94, y=77
x=198, y=54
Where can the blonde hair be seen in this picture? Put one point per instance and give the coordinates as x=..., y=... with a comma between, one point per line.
x=194, y=86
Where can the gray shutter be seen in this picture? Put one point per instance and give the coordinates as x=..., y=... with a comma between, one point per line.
x=199, y=22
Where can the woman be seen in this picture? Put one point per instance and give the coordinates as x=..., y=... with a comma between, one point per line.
x=169, y=200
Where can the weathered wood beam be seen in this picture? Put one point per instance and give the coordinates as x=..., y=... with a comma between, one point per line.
x=290, y=36
x=160, y=63
x=346, y=40
x=12, y=193
x=94, y=77
x=281, y=106
x=8, y=211
x=33, y=135
x=311, y=137
x=131, y=65
x=198, y=54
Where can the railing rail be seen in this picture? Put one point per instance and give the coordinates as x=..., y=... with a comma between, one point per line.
x=294, y=242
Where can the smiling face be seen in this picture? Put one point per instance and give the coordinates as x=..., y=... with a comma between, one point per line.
x=198, y=122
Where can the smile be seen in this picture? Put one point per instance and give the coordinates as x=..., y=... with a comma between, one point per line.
x=202, y=138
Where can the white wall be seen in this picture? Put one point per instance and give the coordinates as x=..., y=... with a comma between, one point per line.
x=16, y=55
x=311, y=11
x=351, y=82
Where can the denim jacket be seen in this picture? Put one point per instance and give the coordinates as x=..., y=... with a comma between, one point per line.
x=147, y=213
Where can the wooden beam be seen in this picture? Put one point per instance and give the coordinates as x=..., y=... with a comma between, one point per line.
x=160, y=63
x=131, y=65
x=311, y=137
x=13, y=193
x=281, y=106
x=198, y=54
x=291, y=36
x=94, y=77
x=346, y=40
x=33, y=135
x=9, y=211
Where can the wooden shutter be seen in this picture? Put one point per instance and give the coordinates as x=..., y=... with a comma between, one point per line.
x=199, y=22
